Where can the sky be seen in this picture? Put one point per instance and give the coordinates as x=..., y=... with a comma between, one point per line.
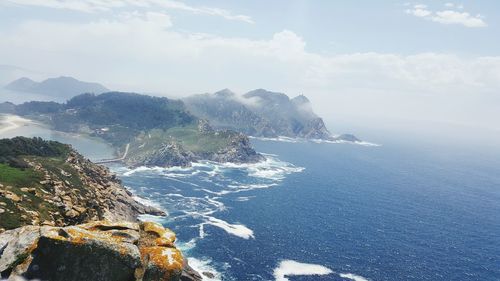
x=435, y=61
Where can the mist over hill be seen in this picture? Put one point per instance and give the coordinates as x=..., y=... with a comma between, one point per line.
x=62, y=87
x=260, y=113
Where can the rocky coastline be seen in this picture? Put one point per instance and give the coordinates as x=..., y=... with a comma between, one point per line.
x=63, y=217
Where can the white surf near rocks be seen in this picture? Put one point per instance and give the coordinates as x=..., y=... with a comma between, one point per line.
x=294, y=268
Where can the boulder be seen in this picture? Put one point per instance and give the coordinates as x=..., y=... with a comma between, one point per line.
x=101, y=251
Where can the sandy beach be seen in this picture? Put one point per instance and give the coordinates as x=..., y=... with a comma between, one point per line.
x=10, y=122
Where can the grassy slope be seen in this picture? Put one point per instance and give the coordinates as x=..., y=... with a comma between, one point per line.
x=189, y=137
x=16, y=180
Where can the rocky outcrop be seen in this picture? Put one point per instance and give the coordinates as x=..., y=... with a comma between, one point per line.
x=100, y=251
x=347, y=137
x=239, y=151
x=166, y=155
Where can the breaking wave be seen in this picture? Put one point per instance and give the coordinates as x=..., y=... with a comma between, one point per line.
x=353, y=277
x=288, y=268
x=294, y=268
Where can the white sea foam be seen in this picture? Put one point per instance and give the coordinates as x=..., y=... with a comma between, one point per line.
x=244, y=198
x=293, y=268
x=148, y=202
x=362, y=143
x=202, y=207
x=353, y=277
x=234, y=229
x=204, y=266
x=157, y=219
x=279, y=138
x=302, y=140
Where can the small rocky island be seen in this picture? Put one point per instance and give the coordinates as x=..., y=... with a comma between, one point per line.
x=63, y=217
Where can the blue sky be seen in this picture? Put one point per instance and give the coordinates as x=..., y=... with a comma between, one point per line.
x=425, y=60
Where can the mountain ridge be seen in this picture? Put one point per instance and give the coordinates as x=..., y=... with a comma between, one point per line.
x=62, y=86
x=262, y=113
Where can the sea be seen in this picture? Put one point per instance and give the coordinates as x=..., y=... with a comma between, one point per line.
x=400, y=208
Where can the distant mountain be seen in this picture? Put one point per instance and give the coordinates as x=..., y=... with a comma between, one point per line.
x=7, y=107
x=11, y=72
x=260, y=113
x=57, y=87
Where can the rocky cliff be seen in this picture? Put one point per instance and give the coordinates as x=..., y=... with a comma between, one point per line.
x=98, y=251
x=260, y=113
x=63, y=217
x=61, y=188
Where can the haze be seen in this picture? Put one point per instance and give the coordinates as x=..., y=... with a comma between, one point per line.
x=426, y=61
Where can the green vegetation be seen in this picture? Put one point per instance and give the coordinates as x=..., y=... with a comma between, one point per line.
x=18, y=177
x=189, y=137
x=20, y=183
x=11, y=149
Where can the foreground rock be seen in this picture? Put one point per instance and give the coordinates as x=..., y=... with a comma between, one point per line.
x=100, y=251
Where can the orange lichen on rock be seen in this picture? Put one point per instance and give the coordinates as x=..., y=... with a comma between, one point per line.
x=159, y=230
x=144, y=250
x=165, y=258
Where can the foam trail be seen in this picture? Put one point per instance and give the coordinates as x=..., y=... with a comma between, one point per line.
x=353, y=277
x=204, y=266
x=234, y=229
x=293, y=268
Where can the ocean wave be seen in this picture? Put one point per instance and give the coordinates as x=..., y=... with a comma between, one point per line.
x=204, y=265
x=294, y=268
x=238, y=230
x=353, y=277
x=197, y=193
x=244, y=198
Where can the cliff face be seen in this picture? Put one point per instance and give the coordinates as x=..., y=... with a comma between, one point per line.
x=100, y=251
x=260, y=113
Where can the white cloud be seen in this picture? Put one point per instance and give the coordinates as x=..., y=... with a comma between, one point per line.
x=93, y=6
x=448, y=16
x=139, y=51
x=463, y=18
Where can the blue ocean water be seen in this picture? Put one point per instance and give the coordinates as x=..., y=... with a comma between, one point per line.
x=406, y=210
x=392, y=212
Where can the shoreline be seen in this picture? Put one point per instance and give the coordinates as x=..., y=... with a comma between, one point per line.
x=9, y=122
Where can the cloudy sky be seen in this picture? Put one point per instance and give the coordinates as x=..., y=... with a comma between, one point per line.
x=427, y=60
